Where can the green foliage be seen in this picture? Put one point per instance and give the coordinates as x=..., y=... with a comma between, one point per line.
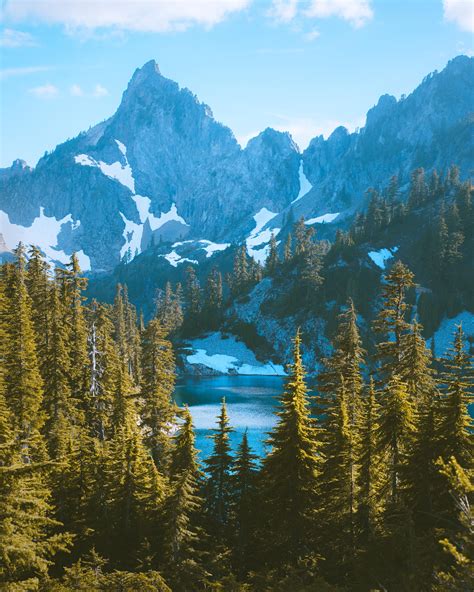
x=364, y=486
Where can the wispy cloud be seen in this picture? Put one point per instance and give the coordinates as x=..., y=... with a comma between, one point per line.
x=284, y=10
x=22, y=71
x=355, y=12
x=75, y=90
x=99, y=91
x=312, y=35
x=14, y=38
x=460, y=12
x=136, y=15
x=46, y=91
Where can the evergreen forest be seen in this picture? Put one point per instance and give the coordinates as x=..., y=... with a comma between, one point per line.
x=367, y=483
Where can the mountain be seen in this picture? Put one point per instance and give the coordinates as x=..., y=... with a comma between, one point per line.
x=432, y=128
x=161, y=165
x=163, y=170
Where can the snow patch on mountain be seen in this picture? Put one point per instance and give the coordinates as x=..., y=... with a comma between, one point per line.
x=174, y=259
x=83, y=260
x=305, y=185
x=325, y=218
x=43, y=233
x=133, y=237
x=257, y=242
x=229, y=356
x=143, y=206
x=381, y=256
x=157, y=222
x=212, y=248
x=121, y=173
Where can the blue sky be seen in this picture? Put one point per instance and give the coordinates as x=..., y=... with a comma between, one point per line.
x=304, y=66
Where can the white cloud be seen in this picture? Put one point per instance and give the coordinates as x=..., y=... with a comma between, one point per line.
x=76, y=91
x=284, y=10
x=47, y=91
x=13, y=38
x=23, y=71
x=99, y=91
x=136, y=15
x=460, y=12
x=356, y=12
x=312, y=35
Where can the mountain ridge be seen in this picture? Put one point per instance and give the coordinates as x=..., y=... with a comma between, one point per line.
x=162, y=168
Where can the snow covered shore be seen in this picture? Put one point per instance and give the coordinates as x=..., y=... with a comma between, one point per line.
x=223, y=354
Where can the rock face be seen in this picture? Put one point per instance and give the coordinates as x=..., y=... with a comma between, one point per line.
x=433, y=127
x=163, y=169
x=161, y=165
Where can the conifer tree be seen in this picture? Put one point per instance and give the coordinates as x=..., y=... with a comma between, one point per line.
x=24, y=387
x=338, y=483
x=181, y=532
x=193, y=300
x=288, y=250
x=391, y=320
x=219, y=469
x=103, y=371
x=38, y=286
x=368, y=480
x=290, y=471
x=341, y=385
x=72, y=286
x=456, y=571
x=165, y=308
x=395, y=431
x=120, y=329
x=455, y=422
x=158, y=376
x=28, y=532
x=244, y=505
x=273, y=260
x=58, y=404
x=417, y=374
x=213, y=304
x=135, y=490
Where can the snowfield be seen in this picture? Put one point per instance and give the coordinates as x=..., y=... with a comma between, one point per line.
x=42, y=233
x=174, y=259
x=229, y=356
x=121, y=173
x=381, y=256
x=305, y=185
x=261, y=238
x=324, y=219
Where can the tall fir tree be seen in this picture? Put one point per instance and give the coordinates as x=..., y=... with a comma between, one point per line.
x=219, y=470
x=158, y=377
x=272, y=261
x=244, y=501
x=455, y=422
x=290, y=471
x=392, y=321
x=181, y=530
x=24, y=386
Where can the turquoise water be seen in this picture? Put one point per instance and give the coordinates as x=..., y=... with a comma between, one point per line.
x=250, y=400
